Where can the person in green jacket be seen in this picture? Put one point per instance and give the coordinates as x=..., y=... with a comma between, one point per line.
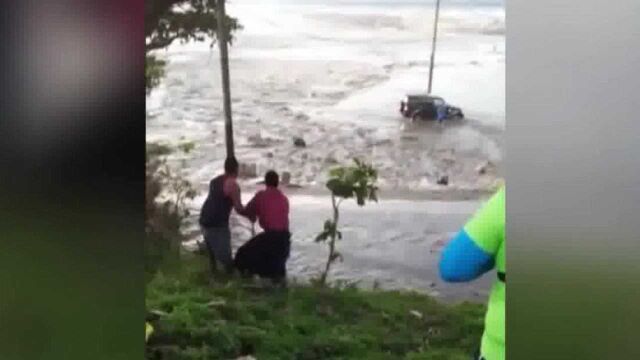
x=478, y=248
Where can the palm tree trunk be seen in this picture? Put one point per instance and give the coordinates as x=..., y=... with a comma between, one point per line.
x=224, y=65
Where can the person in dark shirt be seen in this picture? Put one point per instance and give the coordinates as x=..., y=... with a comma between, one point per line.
x=224, y=195
x=267, y=253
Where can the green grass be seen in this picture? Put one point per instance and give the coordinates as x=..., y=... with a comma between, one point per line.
x=226, y=317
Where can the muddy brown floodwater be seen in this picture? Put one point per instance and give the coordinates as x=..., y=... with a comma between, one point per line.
x=333, y=74
x=387, y=243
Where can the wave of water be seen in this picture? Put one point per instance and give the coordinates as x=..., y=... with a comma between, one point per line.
x=385, y=3
x=336, y=20
x=395, y=35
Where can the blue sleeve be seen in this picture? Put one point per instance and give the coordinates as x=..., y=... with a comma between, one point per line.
x=463, y=260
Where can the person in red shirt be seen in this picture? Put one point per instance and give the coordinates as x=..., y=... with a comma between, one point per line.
x=267, y=253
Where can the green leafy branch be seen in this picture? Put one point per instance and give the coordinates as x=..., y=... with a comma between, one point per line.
x=358, y=182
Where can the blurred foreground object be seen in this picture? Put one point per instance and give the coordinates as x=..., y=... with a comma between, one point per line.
x=477, y=249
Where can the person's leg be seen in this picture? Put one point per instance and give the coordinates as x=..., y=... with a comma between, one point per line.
x=285, y=255
x=222, y=247
x=242, y=260
x=209, y=236
x=248, y=255
x=260, y=255
x=218, y=242
x=282, y=244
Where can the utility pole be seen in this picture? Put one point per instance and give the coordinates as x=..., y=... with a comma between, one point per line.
x=223, y=37
x=433, y=45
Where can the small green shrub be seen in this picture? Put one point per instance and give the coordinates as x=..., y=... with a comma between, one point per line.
x=345, y=182
x=166, y=194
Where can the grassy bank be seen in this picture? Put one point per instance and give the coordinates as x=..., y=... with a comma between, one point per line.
x=200, y=317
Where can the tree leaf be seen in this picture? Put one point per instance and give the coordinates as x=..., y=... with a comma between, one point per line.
x=148, y=331
x=322, y=237
x=361, y=194
x=328, y=225
x=340, y=189
x=336, y=172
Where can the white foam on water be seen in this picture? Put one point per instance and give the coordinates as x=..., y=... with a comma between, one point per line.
x=470, y=69
x=334, y=73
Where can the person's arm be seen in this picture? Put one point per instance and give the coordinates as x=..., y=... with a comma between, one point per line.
x=463, y=260
x=251, y=210
x=232, y=190
x=472, y=251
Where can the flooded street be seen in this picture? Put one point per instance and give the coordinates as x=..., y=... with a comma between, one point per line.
x=387, y=243
x=315, y=84
x=333, y=76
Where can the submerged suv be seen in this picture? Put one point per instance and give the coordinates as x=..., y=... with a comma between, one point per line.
x=426, y=107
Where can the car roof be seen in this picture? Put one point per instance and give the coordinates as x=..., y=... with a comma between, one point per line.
x=423, y=97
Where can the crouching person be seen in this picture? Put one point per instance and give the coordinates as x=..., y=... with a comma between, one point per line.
x=267, y=253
